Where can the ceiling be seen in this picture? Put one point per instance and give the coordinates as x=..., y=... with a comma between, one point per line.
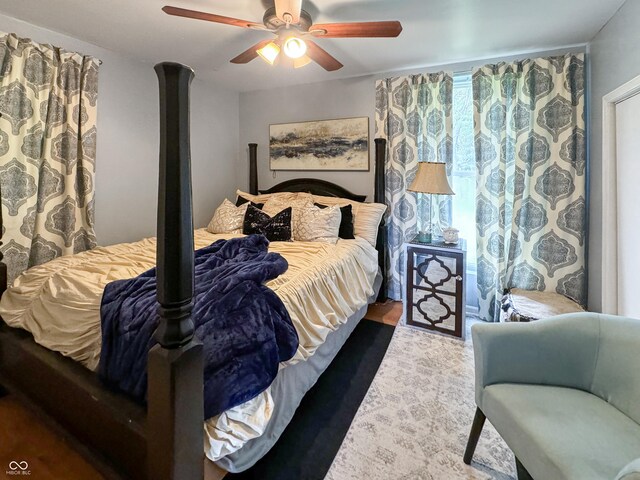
x=435, y=32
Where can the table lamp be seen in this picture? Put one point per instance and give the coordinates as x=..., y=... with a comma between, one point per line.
x=432, y=179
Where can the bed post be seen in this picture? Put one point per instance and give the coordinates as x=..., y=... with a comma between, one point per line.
x=3, y=266
x=175, y=410
x=253, y=168
x=379, y=197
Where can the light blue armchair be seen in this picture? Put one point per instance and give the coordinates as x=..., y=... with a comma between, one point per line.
x=564, y=393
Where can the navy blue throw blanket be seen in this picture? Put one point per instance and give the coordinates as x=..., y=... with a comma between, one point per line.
x=245, y=328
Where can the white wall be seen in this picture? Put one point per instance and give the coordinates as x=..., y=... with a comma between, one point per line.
x=614, y=60
x=127, y=148
x=354, y=97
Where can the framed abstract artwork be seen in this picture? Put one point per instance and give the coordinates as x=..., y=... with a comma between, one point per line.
x=341, y=144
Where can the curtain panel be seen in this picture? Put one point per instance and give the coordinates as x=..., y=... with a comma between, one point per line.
x=48, y=102
x=413, y=114
x=529, y=121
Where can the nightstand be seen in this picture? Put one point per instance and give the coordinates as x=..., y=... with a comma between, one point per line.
x=435, y=286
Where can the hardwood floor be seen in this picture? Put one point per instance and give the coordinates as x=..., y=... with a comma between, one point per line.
x=388, y=312
x=25, y=436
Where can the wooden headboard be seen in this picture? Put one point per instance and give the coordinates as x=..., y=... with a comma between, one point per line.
x=315, y=186
x=323, y=187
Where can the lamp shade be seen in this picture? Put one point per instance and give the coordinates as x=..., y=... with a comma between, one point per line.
x=431, y=178
x=269, y=52
x=301, y=62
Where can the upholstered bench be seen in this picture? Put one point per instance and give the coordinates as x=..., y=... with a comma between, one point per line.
x=529, y=305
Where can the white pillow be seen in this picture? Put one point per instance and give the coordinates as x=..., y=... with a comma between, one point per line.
x=318, y=224
x=227, y=218
x=299, y=202
x=334, y=201
x=367, y=220
x=263, y=197
x=366, y=216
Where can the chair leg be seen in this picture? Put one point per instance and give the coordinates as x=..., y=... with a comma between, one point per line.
x=474, y=435
x=522, y=472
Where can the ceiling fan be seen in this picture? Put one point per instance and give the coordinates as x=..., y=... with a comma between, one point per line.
x=294, y=31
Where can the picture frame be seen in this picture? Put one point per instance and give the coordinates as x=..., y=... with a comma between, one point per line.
x=320, y=145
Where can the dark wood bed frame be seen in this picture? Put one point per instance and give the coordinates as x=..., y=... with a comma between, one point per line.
x=163, y=441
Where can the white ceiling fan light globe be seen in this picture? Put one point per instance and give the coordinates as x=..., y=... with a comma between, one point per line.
x=295, y=47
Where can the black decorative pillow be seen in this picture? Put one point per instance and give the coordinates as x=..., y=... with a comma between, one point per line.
x=241, y=201
x=346, y=224
x=276, y=228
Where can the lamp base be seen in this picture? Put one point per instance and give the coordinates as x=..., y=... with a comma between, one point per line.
x=423, y=237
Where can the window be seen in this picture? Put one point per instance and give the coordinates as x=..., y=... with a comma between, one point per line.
x=463, y=176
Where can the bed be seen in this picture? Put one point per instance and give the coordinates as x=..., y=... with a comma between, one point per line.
x=165, y=439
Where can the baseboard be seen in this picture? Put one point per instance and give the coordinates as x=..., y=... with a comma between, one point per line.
x=470, y=310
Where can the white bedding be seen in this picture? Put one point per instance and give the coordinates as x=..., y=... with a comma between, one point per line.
x=59, y=303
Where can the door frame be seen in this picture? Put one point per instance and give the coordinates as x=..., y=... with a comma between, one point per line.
x=609, y=193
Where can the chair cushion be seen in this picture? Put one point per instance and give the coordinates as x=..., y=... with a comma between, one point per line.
x=616, y=378
x=528, y=305
x=562, y=433
x=631, y=471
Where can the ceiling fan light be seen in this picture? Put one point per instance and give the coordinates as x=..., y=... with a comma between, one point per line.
x=301, y=62
x=295, y=47
x=269, y=52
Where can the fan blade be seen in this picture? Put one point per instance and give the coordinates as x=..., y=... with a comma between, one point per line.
x=354, y=30
x=250, y=53
x=292, y=7
x=209, y=17
x=321, y=57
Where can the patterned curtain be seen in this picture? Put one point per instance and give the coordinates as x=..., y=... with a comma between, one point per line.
x=529, y=121
x=414, y=114
x=47, y=151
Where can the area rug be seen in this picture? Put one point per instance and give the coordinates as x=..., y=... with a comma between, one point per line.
x=415, y=419
x=309, y=444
